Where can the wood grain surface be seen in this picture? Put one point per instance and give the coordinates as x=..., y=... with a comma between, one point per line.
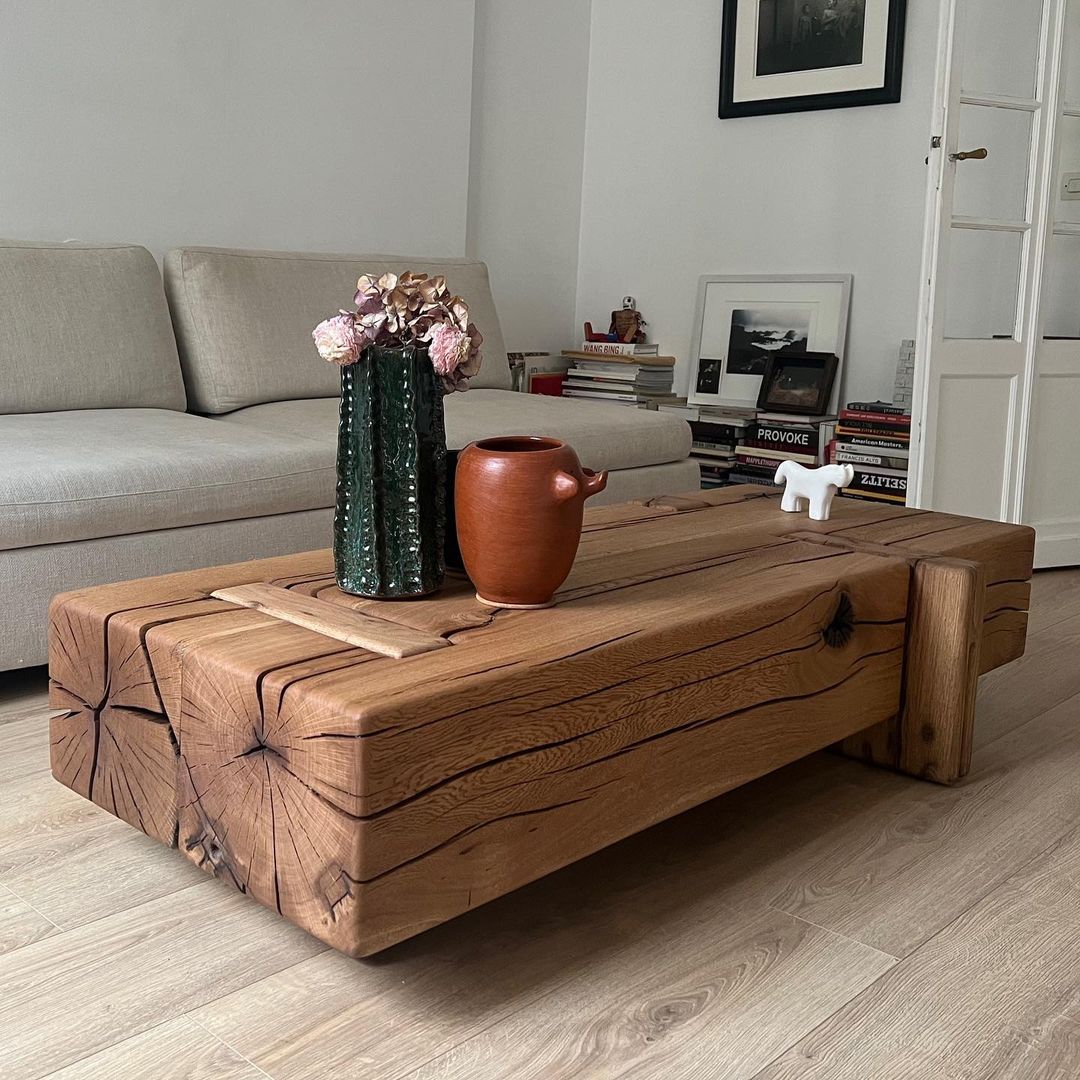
x=994, y=995
x=696, y=644
x=332, y=620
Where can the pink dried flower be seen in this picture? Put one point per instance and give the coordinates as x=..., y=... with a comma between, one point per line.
x=335, y=338
x=400, y=310
x=448, y=348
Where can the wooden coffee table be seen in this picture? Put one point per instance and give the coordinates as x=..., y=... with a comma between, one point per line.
x=372, y=769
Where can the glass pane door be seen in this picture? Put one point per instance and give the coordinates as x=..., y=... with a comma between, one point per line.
x=997, y=111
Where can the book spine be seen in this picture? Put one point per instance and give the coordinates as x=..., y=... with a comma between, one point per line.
x=876, y=407
x=873, y=427
x=701, y=429
x=608, y=348
x=888, y=419
x=740, y=477
x=801, y=442
x=881, y=461
x=859, y=441
x=869, y=480
x=874, y=496
x=742, y=460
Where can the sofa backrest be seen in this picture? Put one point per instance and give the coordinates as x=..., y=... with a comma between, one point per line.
x=243, y=319
x=84, y=326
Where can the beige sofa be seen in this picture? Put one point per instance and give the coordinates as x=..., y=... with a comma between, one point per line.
x=128, y=450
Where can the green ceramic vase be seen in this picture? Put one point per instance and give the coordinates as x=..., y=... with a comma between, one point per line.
x=390, y=520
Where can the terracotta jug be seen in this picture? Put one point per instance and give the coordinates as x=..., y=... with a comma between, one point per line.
x=519, y=501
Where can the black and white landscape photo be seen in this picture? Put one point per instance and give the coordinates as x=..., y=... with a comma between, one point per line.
x=758, y=333
x=805, y=35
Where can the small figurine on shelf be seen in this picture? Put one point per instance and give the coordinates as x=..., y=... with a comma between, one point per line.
x=628, y=324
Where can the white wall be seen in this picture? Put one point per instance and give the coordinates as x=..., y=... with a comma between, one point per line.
x=340, y=125
x=531, y=69
x=597, y=165
x=671, y=192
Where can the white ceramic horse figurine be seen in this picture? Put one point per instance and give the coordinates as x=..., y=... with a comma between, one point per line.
x=816, y=486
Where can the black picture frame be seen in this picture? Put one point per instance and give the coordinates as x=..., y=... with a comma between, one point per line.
x=823, y=365
x=887, y=94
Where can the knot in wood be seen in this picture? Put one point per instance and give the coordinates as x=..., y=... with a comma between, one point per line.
x=839, y=630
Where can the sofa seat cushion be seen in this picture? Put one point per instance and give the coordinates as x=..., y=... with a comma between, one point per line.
x=604, y=436
x=107, y=472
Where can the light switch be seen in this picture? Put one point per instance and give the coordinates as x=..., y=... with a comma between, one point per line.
x=1070, y=186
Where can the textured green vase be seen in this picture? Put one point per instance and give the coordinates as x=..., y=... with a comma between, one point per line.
x=390, y=521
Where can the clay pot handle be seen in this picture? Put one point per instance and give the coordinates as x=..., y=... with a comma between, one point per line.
x=594, y=482
x=564, y=486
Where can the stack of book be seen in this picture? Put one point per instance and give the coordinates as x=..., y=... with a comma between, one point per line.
x=873, y=437
x=779, y=437
x=716, y=430
x=638, y=380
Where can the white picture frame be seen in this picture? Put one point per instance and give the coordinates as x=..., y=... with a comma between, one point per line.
x=733, y=309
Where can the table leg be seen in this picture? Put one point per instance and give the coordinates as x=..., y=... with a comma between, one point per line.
x=931, y=738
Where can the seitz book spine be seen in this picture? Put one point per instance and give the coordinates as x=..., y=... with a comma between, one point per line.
x=883, y=482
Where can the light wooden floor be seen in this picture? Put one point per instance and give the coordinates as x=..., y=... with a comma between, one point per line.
x=828, y=921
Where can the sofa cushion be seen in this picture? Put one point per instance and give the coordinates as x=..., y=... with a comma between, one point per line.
x=102, y=472
x=244, y=319
x=604, y=436
x=84, y=327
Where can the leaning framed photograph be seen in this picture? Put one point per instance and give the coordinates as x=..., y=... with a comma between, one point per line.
x=795, y=55
x=742, y=321
x=798, y=383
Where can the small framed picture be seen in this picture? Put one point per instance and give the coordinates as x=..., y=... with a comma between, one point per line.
x=795, y=55
x=742, y=321
x=798, y=383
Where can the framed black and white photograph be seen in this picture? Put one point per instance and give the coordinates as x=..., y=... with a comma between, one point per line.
x=798, y=383
x=742, y=323
x=796, y=55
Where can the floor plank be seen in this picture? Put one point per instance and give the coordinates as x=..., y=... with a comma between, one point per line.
x=20, y=924
x=26, y=746
x=50, y=837
x=176, y=1050
x=995, y=995
x=1046, y=675
x=677, y=1005
x=1055, y=596
x=616, y=915
x=913, y=862
x=77, y=993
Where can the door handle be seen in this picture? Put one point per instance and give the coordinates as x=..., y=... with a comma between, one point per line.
x=969, y=155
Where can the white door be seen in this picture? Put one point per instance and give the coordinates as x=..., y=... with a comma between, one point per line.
x=1051, y=499
x=987, y=214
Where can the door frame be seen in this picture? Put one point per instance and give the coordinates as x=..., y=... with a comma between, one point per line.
x=1051, y=69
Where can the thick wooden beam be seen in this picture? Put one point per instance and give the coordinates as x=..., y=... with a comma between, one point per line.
x=367, y=790
x=942, y=668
